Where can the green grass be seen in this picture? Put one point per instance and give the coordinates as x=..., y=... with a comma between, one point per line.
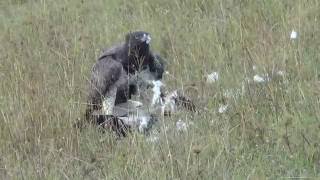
x=270, y=131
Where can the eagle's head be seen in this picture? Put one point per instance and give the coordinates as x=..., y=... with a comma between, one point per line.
x=138, y=38
x=138, y=43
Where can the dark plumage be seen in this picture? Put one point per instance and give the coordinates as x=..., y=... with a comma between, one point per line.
x=115, y=75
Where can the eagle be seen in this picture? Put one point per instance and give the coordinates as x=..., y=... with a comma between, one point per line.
x=119, y=73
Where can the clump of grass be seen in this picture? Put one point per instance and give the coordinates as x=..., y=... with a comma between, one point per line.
x=269, y=130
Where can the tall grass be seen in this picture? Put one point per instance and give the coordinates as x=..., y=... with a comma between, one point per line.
x=270, y=130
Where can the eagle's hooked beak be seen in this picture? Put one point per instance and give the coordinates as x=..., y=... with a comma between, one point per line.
x=146, y=38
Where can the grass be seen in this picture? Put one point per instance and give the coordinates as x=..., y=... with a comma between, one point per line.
x=270, y=131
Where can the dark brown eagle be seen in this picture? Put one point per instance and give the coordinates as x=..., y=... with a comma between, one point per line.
x=114, y=77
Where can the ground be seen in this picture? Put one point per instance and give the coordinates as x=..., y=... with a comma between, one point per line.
x=259, y=119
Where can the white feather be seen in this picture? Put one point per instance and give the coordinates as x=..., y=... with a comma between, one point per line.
x=156, y=98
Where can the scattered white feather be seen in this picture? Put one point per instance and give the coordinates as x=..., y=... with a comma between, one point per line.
x=223, y=108
x=293, y=34
x=156, y=98
x=169, y=102
x=280, y=73
x=213, y=77
x=254, y=67
x=144, y=122
x=181, y=126
x=260, y=79
x=141, y=122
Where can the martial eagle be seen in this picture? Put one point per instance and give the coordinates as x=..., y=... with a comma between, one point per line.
x=115, y=75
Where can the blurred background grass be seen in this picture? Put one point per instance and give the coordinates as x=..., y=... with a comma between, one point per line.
x=270, y=130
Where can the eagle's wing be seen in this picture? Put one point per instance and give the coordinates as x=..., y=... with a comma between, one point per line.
x=104, y=84
x=112, y=51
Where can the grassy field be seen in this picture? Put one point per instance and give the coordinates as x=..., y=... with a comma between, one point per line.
x=269, y=131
